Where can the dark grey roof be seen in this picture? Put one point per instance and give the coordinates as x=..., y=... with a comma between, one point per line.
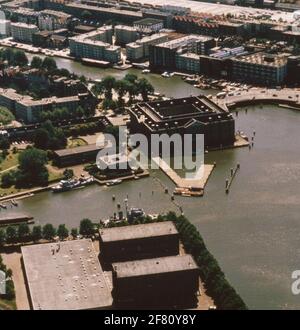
x=77, y=150
x=138, y=231
x=154, y=266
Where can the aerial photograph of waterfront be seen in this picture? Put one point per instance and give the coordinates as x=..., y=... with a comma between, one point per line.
x=149, y=155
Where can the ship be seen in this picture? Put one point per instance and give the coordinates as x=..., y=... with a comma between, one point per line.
x=113, y=182
x=67, y=185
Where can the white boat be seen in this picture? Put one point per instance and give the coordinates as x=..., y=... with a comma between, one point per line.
x=113, y=182
x=146, y=71
x=166, y=74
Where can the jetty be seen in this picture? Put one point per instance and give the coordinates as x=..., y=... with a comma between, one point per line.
x=284, y=96
x=14, y=219
x=186, y=186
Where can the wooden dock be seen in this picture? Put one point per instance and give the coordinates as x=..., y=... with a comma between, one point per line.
x=186, y=186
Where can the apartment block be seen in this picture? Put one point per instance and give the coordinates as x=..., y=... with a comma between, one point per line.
x=23, y=32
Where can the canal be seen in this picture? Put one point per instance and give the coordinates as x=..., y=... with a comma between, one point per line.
x=253, y=231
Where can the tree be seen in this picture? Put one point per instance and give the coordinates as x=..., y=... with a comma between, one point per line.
x=37, y=233
x=20, y=58
x=36, y=62
x=41, y=138
x=130, y=77
x=144, y=88
x=2, y=238
x=86, y=227
x=49, y=64
x=4, y=143
x=23, y=231
x=8, y=179
x=68, y=173
x=62, y=232
x=49, y=231
x=9, y=273
x=74, y=232
x=86, y=15
x=32, y=169
x=11, y=233
x=108, y=84
x=121, y=88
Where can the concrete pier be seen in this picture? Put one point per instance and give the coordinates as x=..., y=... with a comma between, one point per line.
x=193, y=187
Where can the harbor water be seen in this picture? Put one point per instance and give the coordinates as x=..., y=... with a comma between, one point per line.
x=253, y=231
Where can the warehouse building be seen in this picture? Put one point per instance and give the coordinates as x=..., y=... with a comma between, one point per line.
x=148, y=25
x=74, y=156
x=65, y=275
x=191, y=115
x=139, y=241
x=188, y=62
x=171, y=281
x=260, y=68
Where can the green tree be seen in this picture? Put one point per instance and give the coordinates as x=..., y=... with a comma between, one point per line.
x=11, y=233
x=32, y=169
x=49, y=231
x=144, y=88
x=108, y=84
x=37, y=233
x=49, y=64
x=2, y=238
x=62, y=232
x=68, y=173
x=23, y=231
x=8, y=179
x=4, y=143
x=36, y=62
x=20, y=58
x=74, y=232
x=86, y=15
x=86, y=227
x=41, y=138
x=130, y=77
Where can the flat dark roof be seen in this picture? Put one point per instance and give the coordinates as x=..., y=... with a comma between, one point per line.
x=148, y=21
x=138, y=231
x=69, y=278
x=77, y=150
x=154, y=266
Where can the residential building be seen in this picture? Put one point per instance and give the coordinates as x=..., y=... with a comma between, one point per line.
x=140, y=49
x=53, y=20
x=125, y=34
x=163, y=55
x=95, y=45
x=23, y=32
x=188, y=62
x=5, y=30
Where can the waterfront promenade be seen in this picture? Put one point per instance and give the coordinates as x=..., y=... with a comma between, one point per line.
x=286, y=96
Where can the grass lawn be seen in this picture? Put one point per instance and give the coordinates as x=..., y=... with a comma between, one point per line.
x=76, y=142
x=10, y=161
x=8, y=304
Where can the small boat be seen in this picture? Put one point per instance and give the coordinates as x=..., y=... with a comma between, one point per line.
x=66, y=185
x=3, y=206
x=166, y=74
x=146, y=71
x=113, y=182
x=14, y=202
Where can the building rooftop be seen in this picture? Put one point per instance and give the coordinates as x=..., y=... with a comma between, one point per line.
x=183, y=41
x=154, y=266
x=24, y=25
x=77, y=150
x=65, y=275
x=148, y=21
x=263, y=59
x=138, y=231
